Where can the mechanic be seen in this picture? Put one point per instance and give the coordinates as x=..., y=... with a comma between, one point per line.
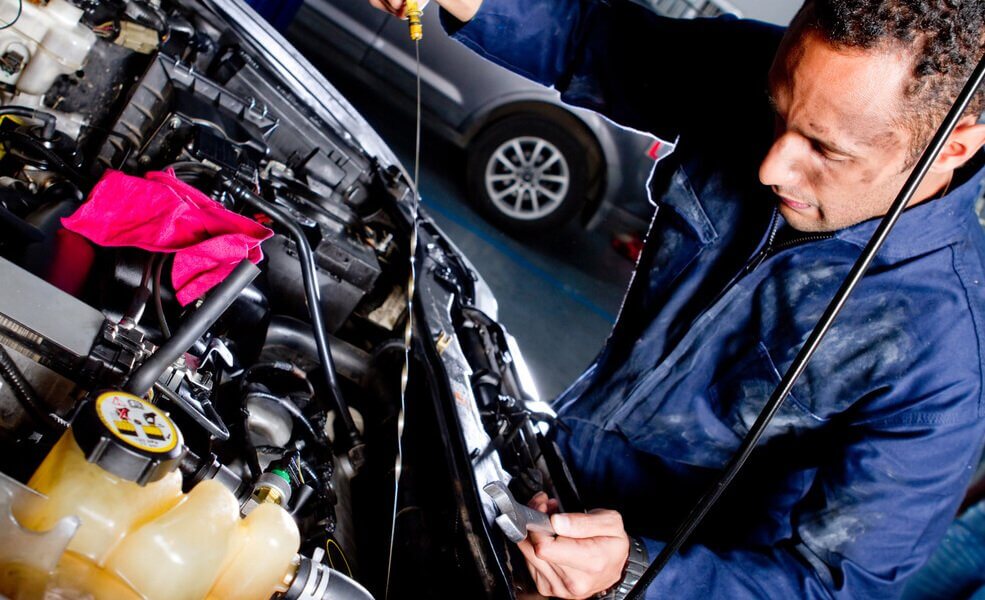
x=790, y=145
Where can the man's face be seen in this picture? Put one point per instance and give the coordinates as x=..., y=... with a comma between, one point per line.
x=840, y=153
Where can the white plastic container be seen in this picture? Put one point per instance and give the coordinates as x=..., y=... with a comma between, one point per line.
x=53, y=39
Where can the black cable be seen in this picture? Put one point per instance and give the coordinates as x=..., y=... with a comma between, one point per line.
x=26, y=395
x=139, y=302
x=858, y=270
x=208, y=418
x=158, y=305
x=313, y=296
x=280, y=367
x=192, y=328
x=391, y=345
x=20, y=9
x=192, y=167
x=49, y=120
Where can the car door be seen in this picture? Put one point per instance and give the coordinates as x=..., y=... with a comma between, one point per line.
x=336, y=32
x=455, y=82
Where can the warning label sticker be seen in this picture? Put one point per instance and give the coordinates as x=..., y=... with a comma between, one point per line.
x=136, y=422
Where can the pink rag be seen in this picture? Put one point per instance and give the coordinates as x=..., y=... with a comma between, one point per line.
x=161, y=213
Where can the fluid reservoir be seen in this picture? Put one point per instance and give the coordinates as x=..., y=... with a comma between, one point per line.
x=115, y=469
x=138, y=535
x=41, y=42
x=178, y=555
x=265, y=551
x=62, y=50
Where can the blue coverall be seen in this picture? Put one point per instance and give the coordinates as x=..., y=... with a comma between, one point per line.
x=862, y=470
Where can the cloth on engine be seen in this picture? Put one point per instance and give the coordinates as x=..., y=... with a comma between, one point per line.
x=161, y=213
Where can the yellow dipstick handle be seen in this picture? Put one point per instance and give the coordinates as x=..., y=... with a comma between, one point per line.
x=414, y=17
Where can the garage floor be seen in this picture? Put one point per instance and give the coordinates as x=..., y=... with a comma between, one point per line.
x=558, y=294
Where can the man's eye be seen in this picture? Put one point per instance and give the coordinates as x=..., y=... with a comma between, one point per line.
x=827, y=154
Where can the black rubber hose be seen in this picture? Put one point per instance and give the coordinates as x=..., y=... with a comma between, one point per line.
x=313, y=296
x=50, y=155
x=49, y=120
x=740, y=457
x=158, y=304
x=280, y=367
x=208, y=418
x=26, y=395
x=192, y=328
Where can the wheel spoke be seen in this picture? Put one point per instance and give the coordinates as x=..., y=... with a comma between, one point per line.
x=503, y=177
x=505, y=161
x=554, y=178
x=506, y=192
x=538, y=149
x=555, y=196
x=534, y=200
x=550, y=161
x=521, y=159
x=518, y=203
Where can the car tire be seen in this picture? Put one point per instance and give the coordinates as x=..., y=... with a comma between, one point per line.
x=530, y=174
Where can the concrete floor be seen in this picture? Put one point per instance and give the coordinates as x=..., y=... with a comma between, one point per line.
x=558, y=294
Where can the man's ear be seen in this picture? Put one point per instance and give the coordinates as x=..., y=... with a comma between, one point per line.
x=966, y=140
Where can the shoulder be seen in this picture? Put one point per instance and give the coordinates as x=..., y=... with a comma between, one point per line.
x=911, y=332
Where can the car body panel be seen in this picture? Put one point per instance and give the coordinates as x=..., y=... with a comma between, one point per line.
x=463, y=93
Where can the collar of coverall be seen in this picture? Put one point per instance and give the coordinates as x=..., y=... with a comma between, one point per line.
x=930, y=225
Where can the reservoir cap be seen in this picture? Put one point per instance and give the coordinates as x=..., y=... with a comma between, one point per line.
x=128, y=436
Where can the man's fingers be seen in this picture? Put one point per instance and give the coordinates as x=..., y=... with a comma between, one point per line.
x=598, y=523
x=545, y=576
x=394, y=7
x=552, y=506
x=587, y=555
x=539, y=502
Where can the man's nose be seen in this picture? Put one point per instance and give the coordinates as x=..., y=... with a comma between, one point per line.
x=780, y=167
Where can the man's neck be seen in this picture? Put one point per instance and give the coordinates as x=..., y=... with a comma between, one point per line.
x=935, y=185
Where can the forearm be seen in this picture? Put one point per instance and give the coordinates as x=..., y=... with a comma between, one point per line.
x=699, y=572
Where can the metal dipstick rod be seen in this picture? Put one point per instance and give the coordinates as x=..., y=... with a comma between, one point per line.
x=416, y=33
x=799, y=364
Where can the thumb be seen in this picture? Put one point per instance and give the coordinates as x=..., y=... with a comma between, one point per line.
x=600, y=523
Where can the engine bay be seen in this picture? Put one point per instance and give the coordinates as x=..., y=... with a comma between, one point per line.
x=244, y=441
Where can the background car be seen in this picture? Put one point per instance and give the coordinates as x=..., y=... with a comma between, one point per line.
x=533, y=163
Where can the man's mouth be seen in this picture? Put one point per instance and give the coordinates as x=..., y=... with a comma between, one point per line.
x=790, y=202
x=794, y=204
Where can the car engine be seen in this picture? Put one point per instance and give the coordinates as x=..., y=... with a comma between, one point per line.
x=246, y=443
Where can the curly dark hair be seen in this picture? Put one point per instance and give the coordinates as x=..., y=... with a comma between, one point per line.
x=947, y=38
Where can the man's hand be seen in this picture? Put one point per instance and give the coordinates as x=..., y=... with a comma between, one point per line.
x=586, y=557
x=397, y=8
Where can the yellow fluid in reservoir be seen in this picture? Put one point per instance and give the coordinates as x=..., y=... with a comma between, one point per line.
x=151, y=541
x=108, y=506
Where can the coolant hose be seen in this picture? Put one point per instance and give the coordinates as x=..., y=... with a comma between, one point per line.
x=47, y=130
x=192, y=328
x=312, y=292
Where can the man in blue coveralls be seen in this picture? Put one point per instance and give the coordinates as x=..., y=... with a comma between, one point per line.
x=791, y=144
